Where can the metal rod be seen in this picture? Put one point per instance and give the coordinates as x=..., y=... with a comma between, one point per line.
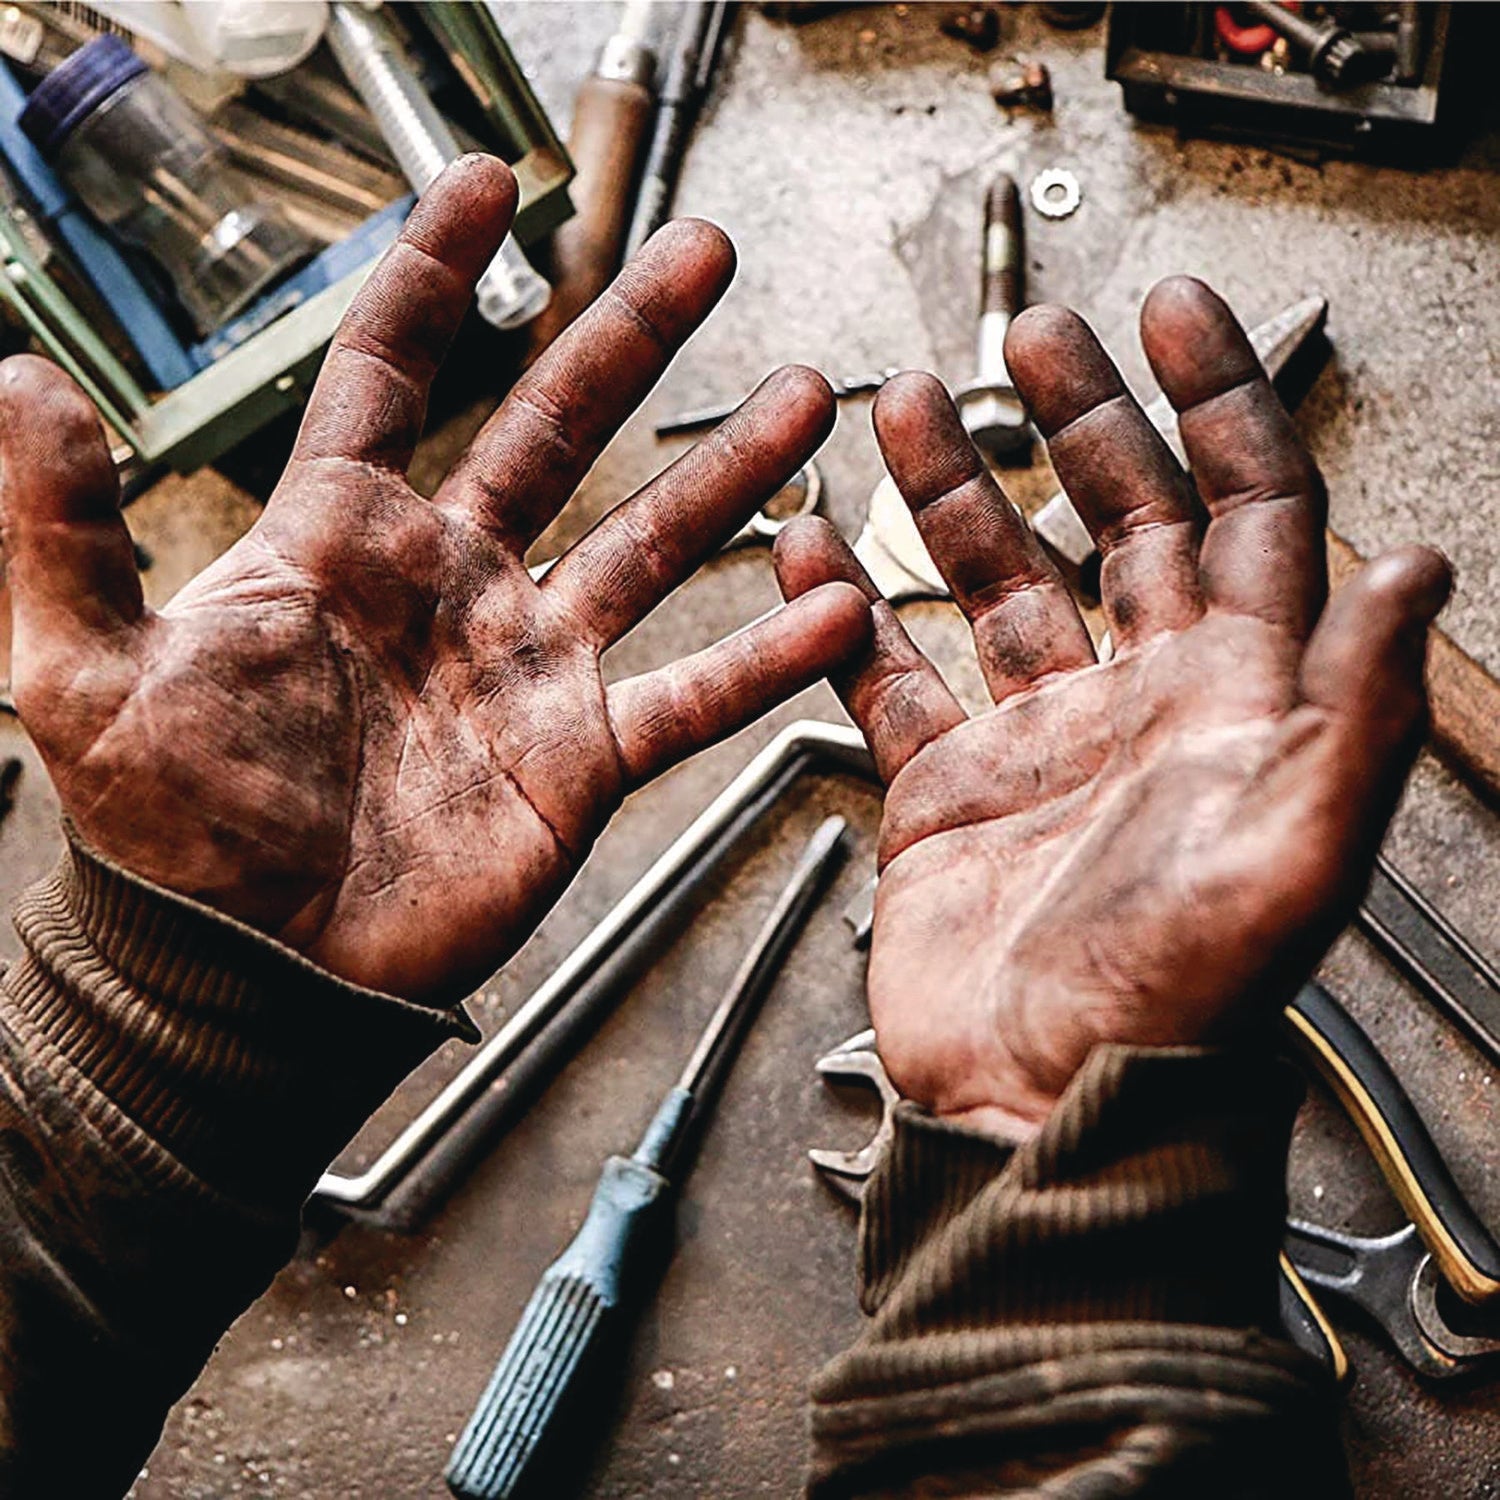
x=796, y=749
x=1433, y=954
x=759, y=965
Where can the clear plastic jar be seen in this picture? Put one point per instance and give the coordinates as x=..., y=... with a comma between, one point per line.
x=143, y=164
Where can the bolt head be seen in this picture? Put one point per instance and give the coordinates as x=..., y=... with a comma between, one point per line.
x=994, y=417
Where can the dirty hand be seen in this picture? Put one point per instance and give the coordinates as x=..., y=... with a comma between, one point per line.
x=1155, y=849
x=365, y=730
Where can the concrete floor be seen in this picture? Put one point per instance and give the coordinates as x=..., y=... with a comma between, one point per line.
x=834, y=154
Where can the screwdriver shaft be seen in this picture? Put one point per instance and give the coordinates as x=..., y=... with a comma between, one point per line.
x=569, y=1334
x=759, y=965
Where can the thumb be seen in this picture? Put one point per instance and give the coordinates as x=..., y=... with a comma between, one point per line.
x=68, y=557
x=1364, y=665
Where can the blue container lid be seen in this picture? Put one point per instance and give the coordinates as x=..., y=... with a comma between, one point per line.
x=74, y=89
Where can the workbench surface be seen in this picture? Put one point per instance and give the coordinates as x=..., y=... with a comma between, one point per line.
x=847, y=158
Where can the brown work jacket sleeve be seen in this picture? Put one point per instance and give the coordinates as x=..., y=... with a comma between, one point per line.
x=171, y=1085
x=1090, y=1315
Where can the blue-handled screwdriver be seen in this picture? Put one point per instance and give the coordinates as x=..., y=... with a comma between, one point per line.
x=571, y=1330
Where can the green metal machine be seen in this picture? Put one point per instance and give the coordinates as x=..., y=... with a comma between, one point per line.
x=272, y=370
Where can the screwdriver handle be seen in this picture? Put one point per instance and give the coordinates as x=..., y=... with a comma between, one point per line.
x=565, y=1338
x=611, y=118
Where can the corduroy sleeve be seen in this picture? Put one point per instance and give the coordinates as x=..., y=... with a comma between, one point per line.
x=1089, y=1315
x=171, y=1085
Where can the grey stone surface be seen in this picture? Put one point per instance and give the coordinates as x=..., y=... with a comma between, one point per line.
x=834, y=154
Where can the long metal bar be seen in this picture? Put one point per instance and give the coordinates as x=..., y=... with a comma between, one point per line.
x=1433, y=954
x=760, y=963
x=798, y=748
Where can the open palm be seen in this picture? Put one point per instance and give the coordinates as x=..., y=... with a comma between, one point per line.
x=366, y=730
x=1155, y=849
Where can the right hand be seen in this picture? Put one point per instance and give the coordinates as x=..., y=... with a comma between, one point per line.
x=365, y=730
x=1152, y=850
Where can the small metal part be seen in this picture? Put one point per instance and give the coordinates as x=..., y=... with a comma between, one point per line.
x=892, y=552
x=798, y=497
x=991, y=411
x=978, y=25
x=1465, y=1347
x=626, y=57
x=1016, y=84
x=857, y=1061
x=1333, y=53
x=859, y=915
x=1055, y=193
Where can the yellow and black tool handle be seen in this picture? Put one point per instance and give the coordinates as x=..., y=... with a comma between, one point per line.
x=1307, y=1326
x=1461, y=1244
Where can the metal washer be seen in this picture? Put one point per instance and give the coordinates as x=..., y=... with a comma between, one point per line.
x=1042, y=186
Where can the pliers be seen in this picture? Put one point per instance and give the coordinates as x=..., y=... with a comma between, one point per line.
x=1402, y=1279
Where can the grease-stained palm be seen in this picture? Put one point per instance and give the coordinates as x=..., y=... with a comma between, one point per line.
x=365, y=729
x=1155, y=849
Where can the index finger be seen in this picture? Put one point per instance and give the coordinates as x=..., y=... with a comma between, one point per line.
x=370, y=399
x=1263, y=552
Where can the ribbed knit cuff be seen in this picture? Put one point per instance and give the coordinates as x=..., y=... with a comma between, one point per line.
x=203, y=1052
x=1091, y=1312
x=1154, y=1192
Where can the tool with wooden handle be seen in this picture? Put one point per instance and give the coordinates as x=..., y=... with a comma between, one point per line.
x=611, y=120
x=571, y=1329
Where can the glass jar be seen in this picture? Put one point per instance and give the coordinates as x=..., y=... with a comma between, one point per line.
x=144, y=165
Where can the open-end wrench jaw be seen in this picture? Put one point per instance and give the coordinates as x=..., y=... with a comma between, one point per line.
x=856, y=1061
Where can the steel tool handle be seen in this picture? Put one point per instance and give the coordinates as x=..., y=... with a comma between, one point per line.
x=563, y=1342
x=1398, y=1139
x=653, y=205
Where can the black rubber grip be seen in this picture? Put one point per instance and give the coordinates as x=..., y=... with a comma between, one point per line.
x=1368, y=1088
